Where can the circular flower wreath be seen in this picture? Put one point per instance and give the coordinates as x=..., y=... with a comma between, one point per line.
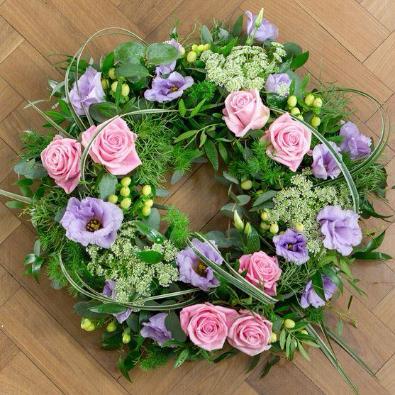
x=299, y=175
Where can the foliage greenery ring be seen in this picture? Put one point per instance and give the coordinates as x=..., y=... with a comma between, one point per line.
x=299, y=176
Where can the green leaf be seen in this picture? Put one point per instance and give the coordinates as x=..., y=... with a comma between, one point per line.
x=242, y=200
x=151, y=234
x=107, y=62
x=30, y=169
x=150, y=256
x=161, y=53
x=212, y=154
x=205, y=35
x=107, y=185
x=172, y=323
x=182, y=108
x=372, y=245
x=303, y=351
x=108, y=308
x=132, y=71
x=185, y=135
x=273, y=359
x=182, y=357
x=253, y=241
x=292, y=49
x=37, y=247
x=197, y=109
x=372, y=256
x=299, y=60
x=153, y=221
x=101, y=112
x=125, y=364
x=318, y=285
x=130, y=52
x=83, y=309
x=230, y=178
x=14, y=204
x=223, y=152
x=238, y=26
x=264, y=197
x=111, y=340
x=24, y=182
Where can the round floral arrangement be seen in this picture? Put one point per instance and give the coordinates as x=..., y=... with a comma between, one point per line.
x=299, y=175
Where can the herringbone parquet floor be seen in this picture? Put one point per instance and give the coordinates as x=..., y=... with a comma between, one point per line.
x=42, y=349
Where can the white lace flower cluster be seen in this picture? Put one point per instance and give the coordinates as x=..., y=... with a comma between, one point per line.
x=246, y=67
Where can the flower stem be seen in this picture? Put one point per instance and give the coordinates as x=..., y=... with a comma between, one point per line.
x=14, y=196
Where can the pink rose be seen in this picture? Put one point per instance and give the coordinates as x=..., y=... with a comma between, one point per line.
x=114, y=147
x=62, y=159
x=244, y=111
x=289, y=141
x=261, y=270
x=250, y=333
x=207, y=325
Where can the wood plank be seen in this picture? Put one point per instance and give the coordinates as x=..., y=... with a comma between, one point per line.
x=9, y=99
x=9, y=156
x=385, y=310
x=381, y=62
x=388, y=245
x=342, y=19
x=53, y=350
x=329, y=60
x=8, y=222
x=21, y=376
x=383, y=10
x=9, y=39
x=8, y=349
x=8, y=285
x=386, y=375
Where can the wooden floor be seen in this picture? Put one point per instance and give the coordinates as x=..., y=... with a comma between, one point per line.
x=42, y=349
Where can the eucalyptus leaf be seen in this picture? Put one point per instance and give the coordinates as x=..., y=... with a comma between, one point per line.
x=107, y=185
x=161, y=53
x=30, y=169
x=205, y=35
x=129, y=52
x=132, y=71
x=101, y=112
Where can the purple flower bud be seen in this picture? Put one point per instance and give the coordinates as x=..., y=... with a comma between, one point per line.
x=324, y=164
x=109, y=290
x=354, y=142
x=340, y=229
x=310, y=297
x=292, y=246
x=267, y=30
x=278, y=84
x=155, y=329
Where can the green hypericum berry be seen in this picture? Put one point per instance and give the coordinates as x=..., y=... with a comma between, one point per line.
x=273, y=338
x=264, y=226
x=146, y=190
x=292, y=101
x=114, y=86
x=149, y=203
x=309, y=99
x=111, y=73
x=113, y=199
x=315, y=122
x=191, y=57
x=87, y=325
x=146, y=211
x=295, y=111
x=126, y=203
x=246, y=185
x=289, y=324
x=111, y=327
x=300, y=116
x=264, y=216
x=104, y=83
x=299, y=227
x=125, y=191
x=317, y=102
x=126, y=338
x=274, y=228
x=125, y=90
x=126, y=181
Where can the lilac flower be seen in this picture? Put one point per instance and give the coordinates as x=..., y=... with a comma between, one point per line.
x=324, y=164
x=310, y=297
x=354, y=142
x=267, y=30
x=92, y=221
x=155, y=329
x=193, y=270
x=167, y=89
x=89, y=91
x=278, y=83
x=292, y=246
x=109, y=290
x=340, y=229
x=166, y=69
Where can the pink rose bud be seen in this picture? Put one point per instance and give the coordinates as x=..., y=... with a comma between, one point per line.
x=250, y=333
x=289, y=141
x=114, y=147
x=245, y=111
x=261, y=270
x=207, y=325
x=62, y=159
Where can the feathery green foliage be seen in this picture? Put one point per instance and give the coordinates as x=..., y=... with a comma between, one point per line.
x=34, y=143
x=178, y=230
x=155, y=356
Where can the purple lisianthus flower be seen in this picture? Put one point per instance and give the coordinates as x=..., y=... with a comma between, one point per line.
x=155, y=329
x=109, y=290
x=193, y=270
x=168, y=89
x=92, y=221
x=340, y=229
x=324, y=164
x=354, y=142
x=166, y=69
x=278, y=84
x=292, y=246
x=267, y=30
x=310, y=297
x=88, y=92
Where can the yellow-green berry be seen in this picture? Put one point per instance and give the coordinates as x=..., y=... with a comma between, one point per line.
x=246, y=185
x=292, y=101
x=299, y=227
x=295, y=111
x=300, y=116
x=264, y=215
x=273, y=338
x=87, y=325
x=315, y=122
x=195, y=47
x=111, y=327
x=274, y=228
x=304, y=332
x=126, y=181
x=111, y=73
x=125, y=203
x=201, y=47
x=317, y=103
x=146, y=211
x=125, y=191
x=146, y=190
x=264, y=226
x=125, y=90
x=126, y=338
x=104, y=83
x=191, y=57
x=114, y=86
x=289, y=324
x=113, y=199
x=206, y=47
x=149, y=203
x=309, y=99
